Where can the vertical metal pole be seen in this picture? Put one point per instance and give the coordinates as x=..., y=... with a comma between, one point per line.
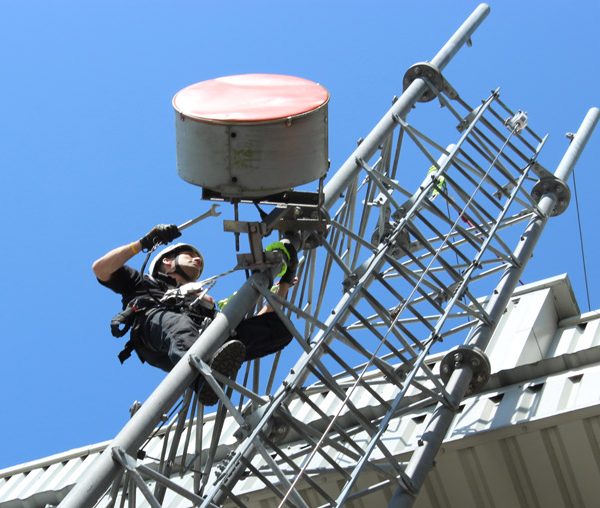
x=422, y=459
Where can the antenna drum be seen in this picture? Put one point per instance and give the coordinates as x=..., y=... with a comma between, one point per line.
x=251, y=135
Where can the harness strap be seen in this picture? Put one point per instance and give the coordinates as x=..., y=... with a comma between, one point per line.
x=121, y=323
x=126, y=352
x=125, y=320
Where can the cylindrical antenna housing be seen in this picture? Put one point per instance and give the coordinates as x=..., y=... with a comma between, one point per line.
x=251, y=135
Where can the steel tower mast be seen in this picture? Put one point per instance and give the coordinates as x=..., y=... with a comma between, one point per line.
x=387, y=275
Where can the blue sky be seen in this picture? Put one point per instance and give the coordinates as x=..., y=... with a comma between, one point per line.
x=88, y=156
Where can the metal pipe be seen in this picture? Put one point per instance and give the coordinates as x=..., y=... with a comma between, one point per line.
x=340, y=181
x=461, y=36
x=577, y=145
x=424, y=456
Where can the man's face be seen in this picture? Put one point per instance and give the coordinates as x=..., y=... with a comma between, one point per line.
x=188, y=261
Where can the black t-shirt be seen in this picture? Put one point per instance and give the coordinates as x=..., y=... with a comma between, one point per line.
x=130, y=284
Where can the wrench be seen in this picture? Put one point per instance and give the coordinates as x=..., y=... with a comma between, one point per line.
x=212, y=212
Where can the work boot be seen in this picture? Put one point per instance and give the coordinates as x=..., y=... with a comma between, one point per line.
x=226, y=361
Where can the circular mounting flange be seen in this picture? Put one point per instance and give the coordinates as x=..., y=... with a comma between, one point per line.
x=551, y=184
x=467, y=355
x=424, y=70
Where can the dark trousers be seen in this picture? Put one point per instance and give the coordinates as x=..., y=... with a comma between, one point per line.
x=166, y=336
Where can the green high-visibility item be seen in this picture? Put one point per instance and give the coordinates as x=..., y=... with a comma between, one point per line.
x=280, y=246
x=440, y=184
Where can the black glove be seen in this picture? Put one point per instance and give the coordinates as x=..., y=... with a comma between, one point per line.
x=160, y=234
x=292, y=262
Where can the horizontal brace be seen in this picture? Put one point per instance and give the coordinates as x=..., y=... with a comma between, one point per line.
x=287, y=198
x=236, y=226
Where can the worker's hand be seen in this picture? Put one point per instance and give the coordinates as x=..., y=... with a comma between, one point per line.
x=290, y=259
x=191, y=288
x=292, y=265
x=160, y=234
x=192, y=293
x=188, y=291
x=172, y=297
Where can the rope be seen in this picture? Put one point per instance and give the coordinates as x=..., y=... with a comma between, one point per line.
x=585, y=275
x=210, y=282
x=450, y=221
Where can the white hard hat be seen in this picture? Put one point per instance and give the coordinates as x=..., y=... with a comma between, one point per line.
x=171, y=251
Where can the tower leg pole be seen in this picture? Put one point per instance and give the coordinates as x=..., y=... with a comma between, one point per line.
x=423, y=458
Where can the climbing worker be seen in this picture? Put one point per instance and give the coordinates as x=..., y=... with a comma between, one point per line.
x=167, y=309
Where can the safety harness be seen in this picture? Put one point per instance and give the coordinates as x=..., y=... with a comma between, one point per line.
x=128, y=319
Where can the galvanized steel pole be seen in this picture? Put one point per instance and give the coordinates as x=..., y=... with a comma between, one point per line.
x=423, y=457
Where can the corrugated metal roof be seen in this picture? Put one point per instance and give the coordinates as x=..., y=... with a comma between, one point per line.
x=532, y=439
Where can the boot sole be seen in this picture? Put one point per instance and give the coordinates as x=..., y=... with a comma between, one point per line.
x=227, y=361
